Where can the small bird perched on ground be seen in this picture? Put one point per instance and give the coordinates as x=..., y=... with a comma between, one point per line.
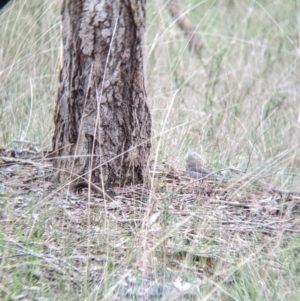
x=196, y=170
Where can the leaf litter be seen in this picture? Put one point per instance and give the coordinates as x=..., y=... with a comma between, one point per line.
x=182, y=225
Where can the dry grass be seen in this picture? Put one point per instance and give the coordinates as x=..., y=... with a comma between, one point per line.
x=182, y=239
x=172, y=239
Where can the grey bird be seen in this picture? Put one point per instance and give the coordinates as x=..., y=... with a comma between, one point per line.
x=196, y=170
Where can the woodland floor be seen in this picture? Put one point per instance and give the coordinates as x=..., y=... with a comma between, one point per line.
x=138, y=243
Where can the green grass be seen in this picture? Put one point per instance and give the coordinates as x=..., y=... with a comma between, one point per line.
x=236, y=106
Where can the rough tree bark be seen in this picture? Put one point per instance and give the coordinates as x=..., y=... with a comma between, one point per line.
x=102, y=122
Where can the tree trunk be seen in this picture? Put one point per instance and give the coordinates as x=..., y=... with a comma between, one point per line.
x=102, y=122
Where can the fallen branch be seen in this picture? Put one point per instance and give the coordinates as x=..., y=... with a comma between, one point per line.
x=189, y=30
